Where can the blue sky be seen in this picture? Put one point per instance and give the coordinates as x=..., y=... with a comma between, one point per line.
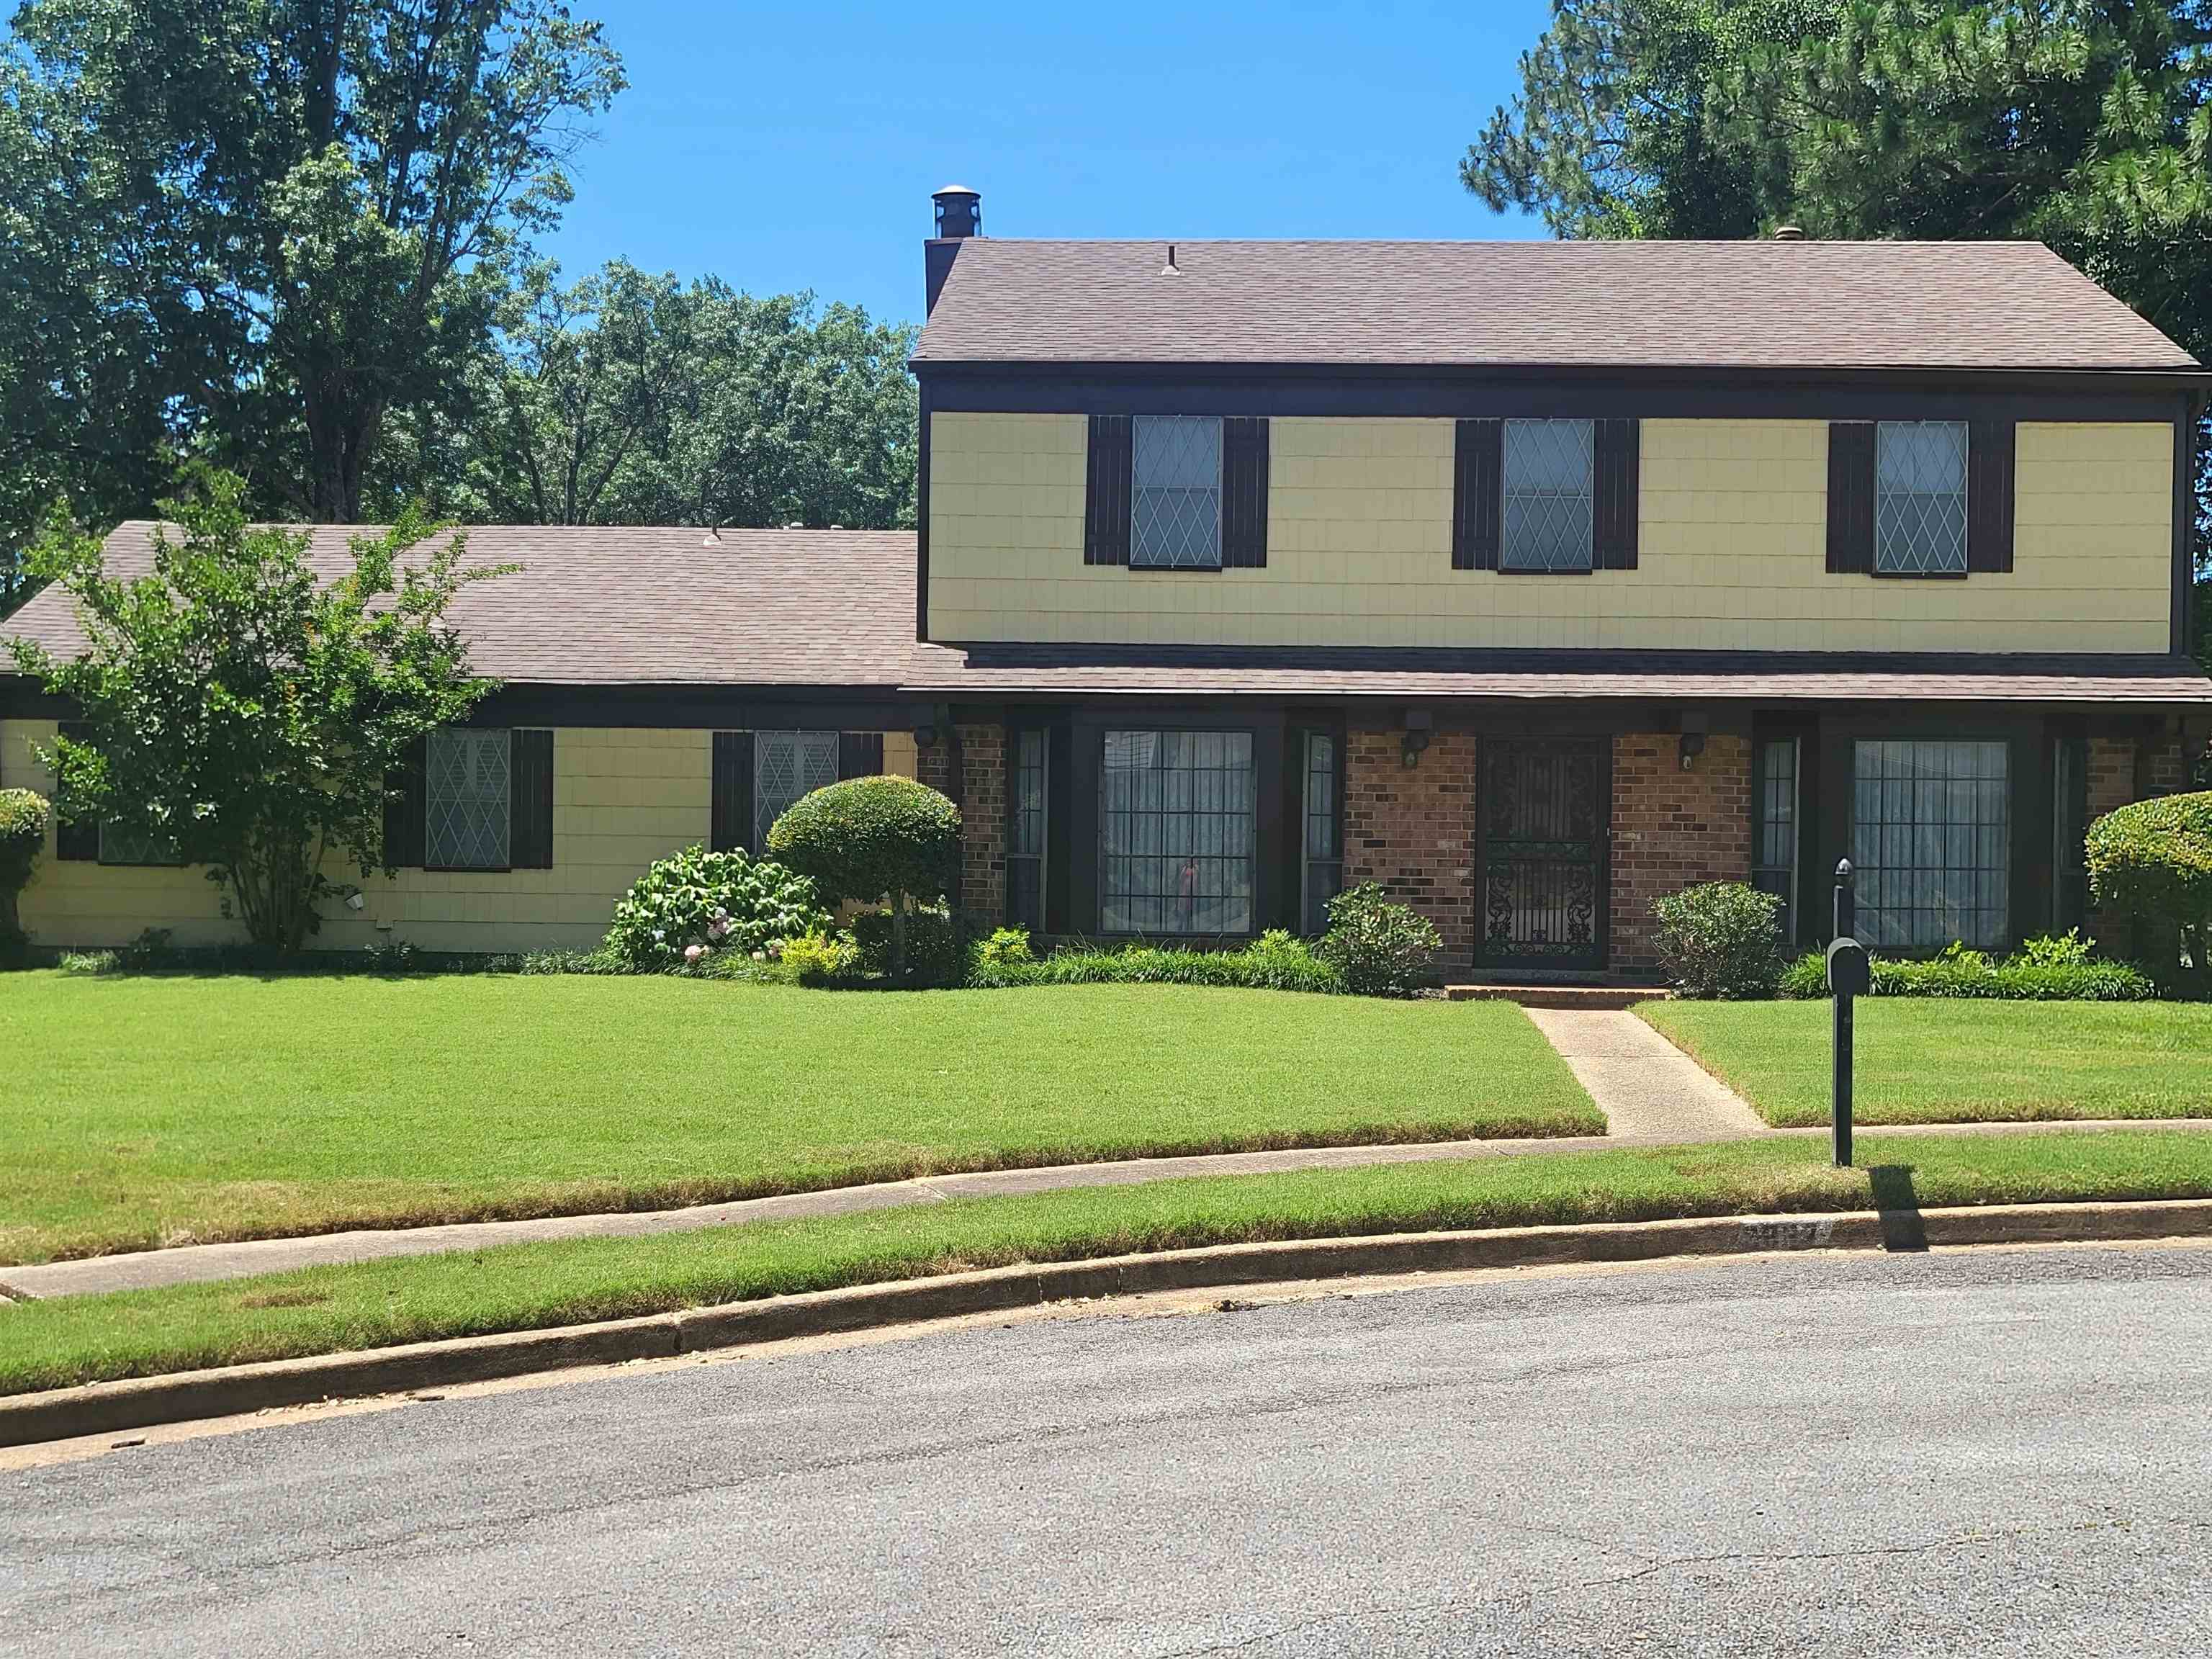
x=795, y=147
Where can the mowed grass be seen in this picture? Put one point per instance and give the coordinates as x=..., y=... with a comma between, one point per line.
x=1922, y=1060
x=160, y=1110
x=142, y=1332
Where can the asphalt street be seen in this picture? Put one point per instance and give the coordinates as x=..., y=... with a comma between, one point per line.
x=1993, y=1452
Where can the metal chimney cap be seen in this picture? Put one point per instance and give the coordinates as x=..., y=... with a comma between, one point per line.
x=1788, y=234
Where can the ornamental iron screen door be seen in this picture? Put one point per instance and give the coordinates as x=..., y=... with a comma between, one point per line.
x=1542, y=820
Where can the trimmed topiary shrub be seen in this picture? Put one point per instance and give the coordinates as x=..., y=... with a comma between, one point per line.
x=1382, y=949
x=696, y=903
x=871, y=839
x=2151, y=864
x=1720, y=939
x=24, y=819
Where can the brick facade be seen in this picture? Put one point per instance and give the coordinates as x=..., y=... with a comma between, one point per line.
x=1413, y=829
x=981, y=794
x=2112, y=774
x=1673, y=828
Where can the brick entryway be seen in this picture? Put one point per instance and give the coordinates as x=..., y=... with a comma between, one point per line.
x=1543, y=814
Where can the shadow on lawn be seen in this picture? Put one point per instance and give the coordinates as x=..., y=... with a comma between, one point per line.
x=1898, y=1204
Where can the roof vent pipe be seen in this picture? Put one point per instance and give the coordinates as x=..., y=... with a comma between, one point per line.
x=1169, y=269
x=1788, y=234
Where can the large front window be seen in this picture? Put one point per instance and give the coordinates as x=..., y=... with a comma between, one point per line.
x=1175, y=831
x=468, y=799
x=786, y=765
x=1175, y=518
x=1931, y=841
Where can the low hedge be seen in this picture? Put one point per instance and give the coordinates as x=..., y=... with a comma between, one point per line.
x=1806, y=978
x=1276, y=962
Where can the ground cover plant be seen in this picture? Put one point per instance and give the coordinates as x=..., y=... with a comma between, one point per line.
x=1937, y=1060
x=83, y=1338
x=2044, y=970
x=175, y=1108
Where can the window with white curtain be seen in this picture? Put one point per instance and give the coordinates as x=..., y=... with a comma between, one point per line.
x=1176, y=826
x=1931, y=843
x=785, y=766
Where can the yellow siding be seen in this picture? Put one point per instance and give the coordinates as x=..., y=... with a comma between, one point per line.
x=1733, y=533
x=622, y=798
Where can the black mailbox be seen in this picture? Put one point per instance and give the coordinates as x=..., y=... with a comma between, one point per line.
x=1849, y=973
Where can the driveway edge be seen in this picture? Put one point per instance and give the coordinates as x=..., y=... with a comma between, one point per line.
x=141, y=1402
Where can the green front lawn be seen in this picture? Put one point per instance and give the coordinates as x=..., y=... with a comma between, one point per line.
x=1926, y=1060
x=145, y=1111
x=323, y=1310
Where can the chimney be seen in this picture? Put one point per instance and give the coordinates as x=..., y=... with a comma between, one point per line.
x=1788, y=234
x=959, y=216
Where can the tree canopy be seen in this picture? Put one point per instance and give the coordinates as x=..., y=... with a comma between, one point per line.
x=2083, y=123
x=240, y=714
x=294, y=238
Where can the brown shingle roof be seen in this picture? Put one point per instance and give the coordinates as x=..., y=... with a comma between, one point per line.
x=1768, y=305
x=833, y=610
x=641, y=606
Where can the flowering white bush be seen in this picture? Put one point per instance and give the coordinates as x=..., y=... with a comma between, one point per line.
x=695, y=902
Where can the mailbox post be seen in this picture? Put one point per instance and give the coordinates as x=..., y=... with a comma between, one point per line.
x=1849, y=976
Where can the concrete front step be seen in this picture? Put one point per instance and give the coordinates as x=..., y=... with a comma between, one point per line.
x=1559, y=996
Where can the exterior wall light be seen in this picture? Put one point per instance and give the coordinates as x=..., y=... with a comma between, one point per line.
x=355, y=901
x=1418, y=722
x=1691, y=745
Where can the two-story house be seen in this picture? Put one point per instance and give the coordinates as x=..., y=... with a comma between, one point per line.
x=1535, y=580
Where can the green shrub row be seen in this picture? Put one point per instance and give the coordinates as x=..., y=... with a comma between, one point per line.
x=1970, y=975
x=1276, y=961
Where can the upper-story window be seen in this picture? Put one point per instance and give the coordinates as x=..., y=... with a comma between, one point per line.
x=1920, y=498
x=1175, y=521
x=1547, y=467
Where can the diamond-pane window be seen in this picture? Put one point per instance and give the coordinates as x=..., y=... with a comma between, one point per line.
x=466, y=797
x=1546, y=520
x=1920, y=497
x=1174, y=516
x=786, y=765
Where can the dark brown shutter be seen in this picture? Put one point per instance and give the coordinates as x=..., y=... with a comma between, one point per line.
x=859, y=754
x=732, y=816
x=1988, y=497
x=405, y=811
x=1478, y=493
x=1106, y=500
x=530, y=825
x=1613, y=517
x=75, y=840
x=1244, y=493
x=1850, y=497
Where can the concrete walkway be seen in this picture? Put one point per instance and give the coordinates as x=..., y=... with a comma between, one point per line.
x=1651, y=1093
x=1648, y=1090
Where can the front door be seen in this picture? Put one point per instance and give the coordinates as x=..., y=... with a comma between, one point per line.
x=1542, y=817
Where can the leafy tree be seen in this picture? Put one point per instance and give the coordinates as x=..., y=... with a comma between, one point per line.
x=290, y=218
x=2084, y=124
x=245, y=714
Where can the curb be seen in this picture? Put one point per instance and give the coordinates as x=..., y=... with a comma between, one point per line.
x=142, y=1402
